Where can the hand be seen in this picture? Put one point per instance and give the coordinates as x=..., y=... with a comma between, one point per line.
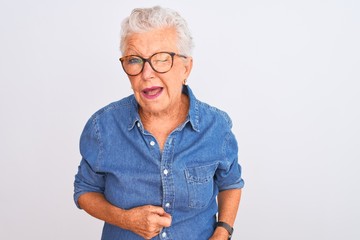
x=220, y=234
x=147, y=221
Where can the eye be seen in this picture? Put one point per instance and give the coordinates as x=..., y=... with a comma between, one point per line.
x=161, y=58
x=134, y=60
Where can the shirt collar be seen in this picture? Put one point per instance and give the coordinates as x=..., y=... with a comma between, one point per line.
x=192, y=118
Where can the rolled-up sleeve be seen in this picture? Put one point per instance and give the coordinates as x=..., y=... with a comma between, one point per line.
x=88, y=177
x=228, y=176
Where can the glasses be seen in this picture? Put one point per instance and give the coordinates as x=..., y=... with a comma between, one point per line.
x=160, y=62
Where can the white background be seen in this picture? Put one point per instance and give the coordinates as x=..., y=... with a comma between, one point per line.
x=287, y=72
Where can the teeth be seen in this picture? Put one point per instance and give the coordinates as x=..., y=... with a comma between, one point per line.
x=152, y=92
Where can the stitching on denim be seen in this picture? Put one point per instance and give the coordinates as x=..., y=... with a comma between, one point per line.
x=98, y=138
x=224, y=150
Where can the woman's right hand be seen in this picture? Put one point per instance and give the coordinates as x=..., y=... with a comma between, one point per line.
x=147, y=221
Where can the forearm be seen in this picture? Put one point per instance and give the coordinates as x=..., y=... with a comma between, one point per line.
x=146, y=221
x=228, y=202
x=97, y=206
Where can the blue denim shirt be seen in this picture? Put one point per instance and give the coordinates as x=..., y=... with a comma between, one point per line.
x=123, y=161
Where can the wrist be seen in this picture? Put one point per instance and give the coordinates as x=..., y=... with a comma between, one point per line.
x=225, y=228
x=220, y=233
x=126, y=220
x=119, y=217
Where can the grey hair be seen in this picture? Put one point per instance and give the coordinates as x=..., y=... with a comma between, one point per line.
x=147, y=19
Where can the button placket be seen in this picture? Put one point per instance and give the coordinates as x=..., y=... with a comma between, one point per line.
x=167, y=180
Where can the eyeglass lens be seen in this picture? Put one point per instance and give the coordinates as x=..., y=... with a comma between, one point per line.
x=160, y=62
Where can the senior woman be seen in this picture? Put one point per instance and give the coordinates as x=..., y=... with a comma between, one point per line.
x=159, y=164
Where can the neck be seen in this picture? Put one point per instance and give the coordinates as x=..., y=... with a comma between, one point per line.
x=161, y=125
x=176, y=112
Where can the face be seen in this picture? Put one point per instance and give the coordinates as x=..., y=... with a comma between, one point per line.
x=157, y=93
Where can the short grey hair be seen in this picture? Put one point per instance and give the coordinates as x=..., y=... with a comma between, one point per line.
x=147, y=19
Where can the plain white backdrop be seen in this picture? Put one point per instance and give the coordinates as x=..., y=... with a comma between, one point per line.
x=287, y=72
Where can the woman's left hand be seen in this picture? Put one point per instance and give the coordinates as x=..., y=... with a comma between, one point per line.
x=220, y=234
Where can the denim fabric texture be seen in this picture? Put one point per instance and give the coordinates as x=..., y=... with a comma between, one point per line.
x=123, y=161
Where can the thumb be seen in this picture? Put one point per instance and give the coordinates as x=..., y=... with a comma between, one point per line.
x=166, y=215
x=158, y=210
x=165, y=220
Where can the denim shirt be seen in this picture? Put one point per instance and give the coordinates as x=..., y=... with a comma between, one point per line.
x=123, y=161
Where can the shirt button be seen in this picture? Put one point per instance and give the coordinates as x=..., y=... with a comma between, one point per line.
x=167, y=205
x=138, y=124
x=152, y=143
x=166, y=172
x=164, y=234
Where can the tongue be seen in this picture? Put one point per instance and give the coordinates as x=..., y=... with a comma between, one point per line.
x=153, y=91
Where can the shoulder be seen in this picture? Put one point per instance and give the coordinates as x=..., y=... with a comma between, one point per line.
x=211, y=113
x=204, y=115
x=118, y=108
x=122, y=104
x=117, y=113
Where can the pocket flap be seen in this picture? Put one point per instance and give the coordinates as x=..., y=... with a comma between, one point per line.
x=201, y=174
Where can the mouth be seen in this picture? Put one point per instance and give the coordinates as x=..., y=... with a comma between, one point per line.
x=151, y=93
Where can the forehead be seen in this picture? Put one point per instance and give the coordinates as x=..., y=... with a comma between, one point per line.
x=148, y=43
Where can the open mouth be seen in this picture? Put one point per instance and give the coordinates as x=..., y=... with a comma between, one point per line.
x=152, y=92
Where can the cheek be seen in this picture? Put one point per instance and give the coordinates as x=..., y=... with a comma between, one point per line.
x=134, y=83
x=181, y=73
x=173, y=81
x=175, y=88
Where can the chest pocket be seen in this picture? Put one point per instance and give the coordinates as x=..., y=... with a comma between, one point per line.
x=200, y=183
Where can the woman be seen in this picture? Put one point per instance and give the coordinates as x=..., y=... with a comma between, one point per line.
x=154, y=163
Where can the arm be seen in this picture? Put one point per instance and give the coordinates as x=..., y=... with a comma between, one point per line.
x=228, y=201
x=89, y=187
x=146, y=221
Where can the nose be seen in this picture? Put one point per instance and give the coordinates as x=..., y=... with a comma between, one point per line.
x=147, y=72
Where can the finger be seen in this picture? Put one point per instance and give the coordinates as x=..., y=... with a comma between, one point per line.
x=166, y=215
x=164, y=221
x=158, y=210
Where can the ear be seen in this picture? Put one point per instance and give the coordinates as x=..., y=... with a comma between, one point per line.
x=188, y=66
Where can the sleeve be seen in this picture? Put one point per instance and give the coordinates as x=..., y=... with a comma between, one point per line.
x=228, y=174
x=88, y=177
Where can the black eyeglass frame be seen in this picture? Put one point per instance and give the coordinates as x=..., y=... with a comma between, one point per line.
x=172, y=54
